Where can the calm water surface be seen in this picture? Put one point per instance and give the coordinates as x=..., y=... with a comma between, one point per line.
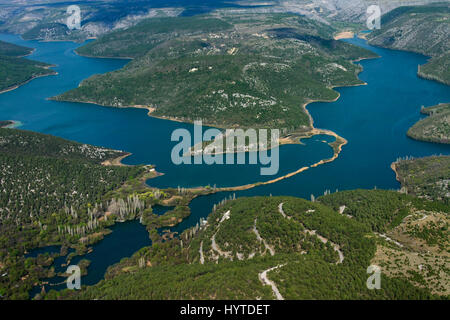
x=373, y=118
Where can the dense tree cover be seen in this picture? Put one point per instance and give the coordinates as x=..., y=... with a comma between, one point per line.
x=307, y=269
x=21, y=142
x=51, y=191
x=435, y=128
x=241, y=234
x=56, y=192
x=425, y=177
x=35, y=185
x=15, y=70
x=12, y=50
x=378, y=209
x=250, y=75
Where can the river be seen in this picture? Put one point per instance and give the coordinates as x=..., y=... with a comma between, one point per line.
x=373, y=118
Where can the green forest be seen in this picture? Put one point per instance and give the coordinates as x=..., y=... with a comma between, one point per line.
x=16, y=70
x=226, y=70
x=224, y=257
x=50, y=190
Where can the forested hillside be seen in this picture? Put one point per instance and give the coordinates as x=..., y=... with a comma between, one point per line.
x=306, y=250
x=422, y=29
x=12, y=50
x=248, y=70
x=437, y=68
x=47, y=186
x=20, y=142
x=15, y=70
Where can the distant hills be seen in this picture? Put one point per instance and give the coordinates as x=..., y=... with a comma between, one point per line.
x=422, y=29
x=45, y=19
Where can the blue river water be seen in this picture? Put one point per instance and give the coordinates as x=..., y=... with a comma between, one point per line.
x=125, y=239
x=374, y=119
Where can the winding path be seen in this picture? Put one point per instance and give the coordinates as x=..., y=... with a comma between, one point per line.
x=214, y=246
x=266, y=281
x=385, y=237
x=280, y=209
x=202, y=258
x=324, y=240
x=260, y=239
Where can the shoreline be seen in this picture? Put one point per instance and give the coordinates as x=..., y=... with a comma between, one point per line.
x=340, y=141
x=100, y=57
x=420, y=73
x=430, y=76
x=394, y=168
x=117, y=162
x=16, y=86
x=344, y=35
x=14, y=124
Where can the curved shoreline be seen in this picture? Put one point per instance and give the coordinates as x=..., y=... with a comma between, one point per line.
x=287, y=140
x=116, y=161
x=313, y=132
x=16, y=86
x=430, y=76
x=420, y=73
x=292, y=139
x=394, y=168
